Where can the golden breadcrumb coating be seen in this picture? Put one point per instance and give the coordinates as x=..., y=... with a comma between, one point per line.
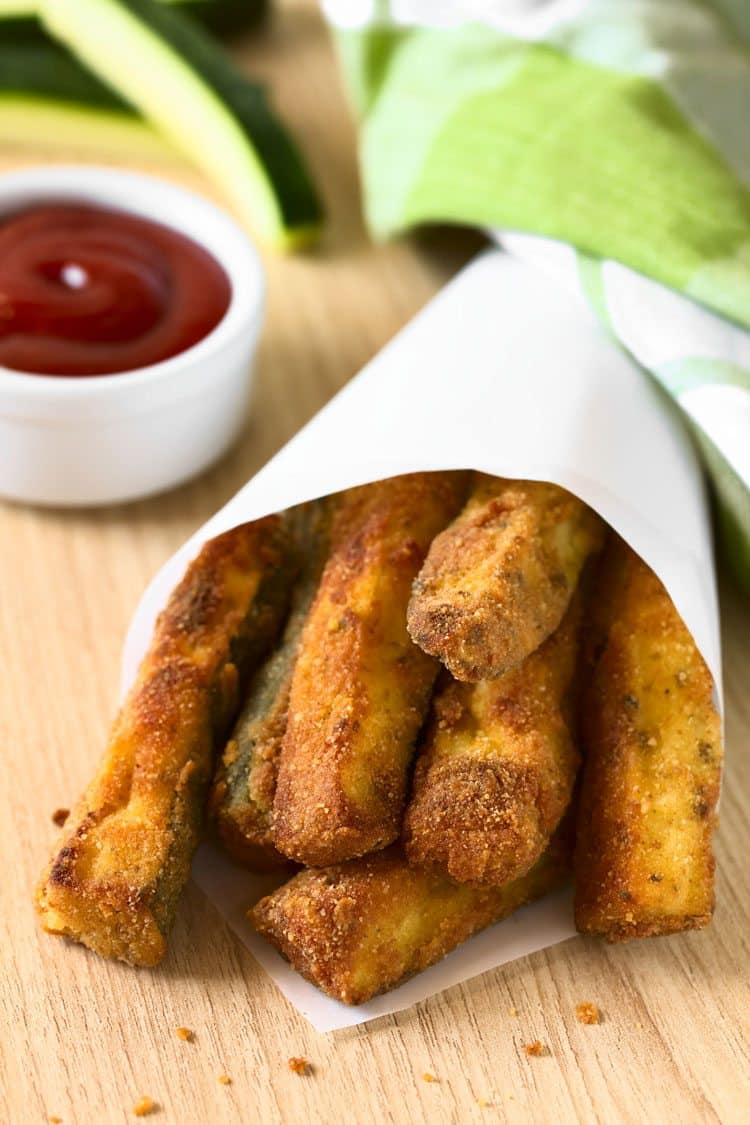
x=496, y=766
x=144, y=1106
x=114, y=882
x=360, y=928
x=644, y=861
x=587, y=1012
x=360, y=688
x=536, y=1049
x=496, y=583
x=242, y=796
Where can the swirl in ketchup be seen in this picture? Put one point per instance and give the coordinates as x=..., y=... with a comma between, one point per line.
x=91, y=291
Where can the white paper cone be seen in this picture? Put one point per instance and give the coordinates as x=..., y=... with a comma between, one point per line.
x=506, y=373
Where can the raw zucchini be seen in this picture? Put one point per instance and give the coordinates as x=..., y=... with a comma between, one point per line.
x=48, y=99
x=181, y=81
x=223, y=16
x=48, y=71
x=18, y=9
x=18, y=22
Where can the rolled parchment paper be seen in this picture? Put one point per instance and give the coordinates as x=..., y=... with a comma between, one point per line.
x=507, y=373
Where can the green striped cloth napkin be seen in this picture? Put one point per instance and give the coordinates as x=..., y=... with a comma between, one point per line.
x=608, y=141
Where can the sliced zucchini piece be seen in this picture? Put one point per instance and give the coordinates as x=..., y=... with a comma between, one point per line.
x=222, y=16
x=181, y=80
x=17, y=9
x=54, y=127
x=18, y=22
x=47, y=99
x=48, y=71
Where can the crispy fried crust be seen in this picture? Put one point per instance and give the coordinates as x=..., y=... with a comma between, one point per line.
x=497, y=582
x=360, y=928
x=497, y=766
x=114, y=882
x=644, y=862
x=360, y=687
x=241, y=802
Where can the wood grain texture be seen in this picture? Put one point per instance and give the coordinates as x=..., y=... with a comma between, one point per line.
x=84, y=1039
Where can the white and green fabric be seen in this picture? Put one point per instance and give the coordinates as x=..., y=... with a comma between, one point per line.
x=607, y=141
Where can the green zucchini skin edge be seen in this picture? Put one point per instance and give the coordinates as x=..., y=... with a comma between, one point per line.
x=41, y=68
x=241, y=802
x=223, y=17
x=289, y=211
x=298, y=202
x=33, y=65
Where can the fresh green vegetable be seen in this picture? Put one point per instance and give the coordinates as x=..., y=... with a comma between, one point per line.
x=47, y=98
x=48, y=71
x=223, y=16
x=18, y=22
x=181, y=80
x=17, y=9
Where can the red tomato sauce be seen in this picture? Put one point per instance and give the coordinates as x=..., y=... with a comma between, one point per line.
x=86, y=291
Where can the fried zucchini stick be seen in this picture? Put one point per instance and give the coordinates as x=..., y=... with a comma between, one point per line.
x=361, y=928
x=114, y=882
x=644, y=861
x=360, y=688
x=497, y=582
x=497, y=766
x=241, y=802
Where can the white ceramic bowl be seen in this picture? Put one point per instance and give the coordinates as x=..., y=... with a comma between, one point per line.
x=106, y=438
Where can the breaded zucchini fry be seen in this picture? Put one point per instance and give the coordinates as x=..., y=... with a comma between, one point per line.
x=497, y=766
x=361, y=928
x=241, y=802
x=114, y=882
x=497, y=582
x=644, y=862
x=360, y=687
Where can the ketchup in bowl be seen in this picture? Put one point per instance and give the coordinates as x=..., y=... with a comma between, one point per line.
x=86, y=290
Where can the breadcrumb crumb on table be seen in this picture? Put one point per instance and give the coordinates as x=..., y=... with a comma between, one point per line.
x=535, y=1049
x=225, y=1080
x=53, y=1119
x=299, y=1065
x=587, y=1013
x=427, y=1077
x=144, y=1106
x=59, y=817
x=184, y=1033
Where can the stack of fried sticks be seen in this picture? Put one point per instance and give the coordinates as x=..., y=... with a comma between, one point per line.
x=437, y=694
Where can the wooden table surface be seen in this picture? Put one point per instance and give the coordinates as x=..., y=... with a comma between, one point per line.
x=82, y=1039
